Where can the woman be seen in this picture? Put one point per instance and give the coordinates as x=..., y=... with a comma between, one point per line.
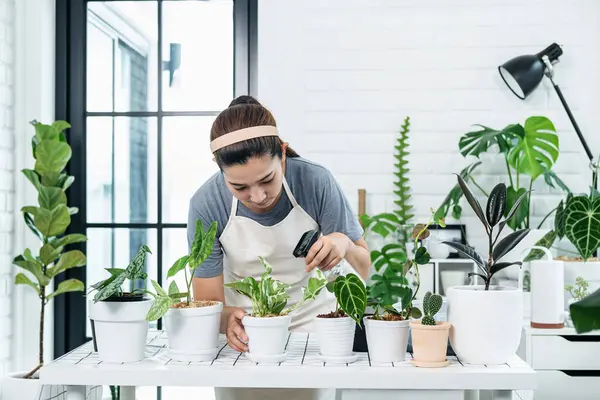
x=264, y=198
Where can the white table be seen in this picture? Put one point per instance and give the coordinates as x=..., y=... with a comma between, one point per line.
x=303, y=369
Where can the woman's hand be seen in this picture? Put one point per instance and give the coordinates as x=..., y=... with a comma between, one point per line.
x=328, y=251
x=236, y=335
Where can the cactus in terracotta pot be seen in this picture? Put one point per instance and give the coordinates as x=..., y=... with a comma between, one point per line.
x=430, y=337
x=432, y=303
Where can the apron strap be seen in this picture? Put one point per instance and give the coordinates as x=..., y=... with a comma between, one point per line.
x=289, y=193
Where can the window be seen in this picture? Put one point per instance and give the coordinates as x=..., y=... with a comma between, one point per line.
x=141, y=83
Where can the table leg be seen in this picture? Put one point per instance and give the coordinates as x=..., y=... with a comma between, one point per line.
x=75, y=392
x=127, y=392
x=391, y=394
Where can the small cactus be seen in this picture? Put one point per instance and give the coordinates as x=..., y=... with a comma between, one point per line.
x=432, y=303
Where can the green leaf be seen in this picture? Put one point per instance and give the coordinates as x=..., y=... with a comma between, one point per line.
x=517, y=207
x=52, y=156
x=546, y=241
x=390, y=254
x=496, y=204
x=538, y=151
x=552, y=179
x=159, y=308
x=422, y=256
x=415, y=313
x=173, y=289
x=34, y=267
x=49, y=253
x=33, y=177
x=203, y=243
x=497, y=267
x=29, y=222
x=70, y=259
x=112, y=288
x=22, y=279
x=351, y=295
x=508, y=243
x=477, y=142
x=50, y=197
x=50, y=222
x=70, y=285
x=61, y=125
x=468, y=252
x=45, y=132
x=582, y=224
x=177, y=266
x=559, y=220
x=585, y=313
x=453, y=198
x=472, y=201
x=159, y=290
x=68, y=239
x=383, y=224
x=135, y=268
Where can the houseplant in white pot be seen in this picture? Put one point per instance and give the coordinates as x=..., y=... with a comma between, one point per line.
x=430, y=337
x=267, y=324
x=387, y=330
x=203, y=318
x=335, y=330
x=49, y=222
x=484, y=314
x=118, y=313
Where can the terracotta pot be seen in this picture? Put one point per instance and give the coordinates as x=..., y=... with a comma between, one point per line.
x=429, y=343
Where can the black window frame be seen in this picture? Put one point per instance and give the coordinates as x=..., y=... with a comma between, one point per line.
x=70, y=105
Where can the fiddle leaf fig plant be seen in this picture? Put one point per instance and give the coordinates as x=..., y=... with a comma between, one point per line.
x=270, y=297
x=48, y=221
x=492, y=219
x=350, y=294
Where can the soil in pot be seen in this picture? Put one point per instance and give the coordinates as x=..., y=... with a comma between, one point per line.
x=336, y=333
x=429, y=344
x=387, y=337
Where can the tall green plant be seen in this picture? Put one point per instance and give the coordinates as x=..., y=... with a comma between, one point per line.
x=400, y=217
x=529, y=150
x=48, y=221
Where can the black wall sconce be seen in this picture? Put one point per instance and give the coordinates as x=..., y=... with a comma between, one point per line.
x=174, y=61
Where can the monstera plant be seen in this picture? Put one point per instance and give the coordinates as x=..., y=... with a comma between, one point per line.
x=529, y=151
x=48, y=221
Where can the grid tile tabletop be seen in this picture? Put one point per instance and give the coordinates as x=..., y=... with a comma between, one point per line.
x=302, y=368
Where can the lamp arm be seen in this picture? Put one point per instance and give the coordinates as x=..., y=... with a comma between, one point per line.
x=588, y=152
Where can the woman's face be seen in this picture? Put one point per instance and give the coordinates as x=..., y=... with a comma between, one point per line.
x=257, y=183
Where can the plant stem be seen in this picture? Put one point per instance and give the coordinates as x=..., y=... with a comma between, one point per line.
x=490, y=259
x=510, y=179
x=479, y=187
x=188, y=282
x=529, y=205
x=41, y=338
x=546, y=217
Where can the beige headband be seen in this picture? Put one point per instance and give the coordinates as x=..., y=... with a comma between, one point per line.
x=241, y=135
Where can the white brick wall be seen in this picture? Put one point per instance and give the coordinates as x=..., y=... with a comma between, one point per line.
x=341, y=75
x=7, y=176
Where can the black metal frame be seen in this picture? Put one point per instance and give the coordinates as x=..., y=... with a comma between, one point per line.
x=70, y=102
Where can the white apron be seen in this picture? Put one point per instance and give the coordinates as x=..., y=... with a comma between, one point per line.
x=243, y=240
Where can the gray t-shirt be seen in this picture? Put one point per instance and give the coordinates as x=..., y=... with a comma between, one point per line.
x=314, y=188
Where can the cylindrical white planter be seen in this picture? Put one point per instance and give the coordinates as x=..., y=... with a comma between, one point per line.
x=486, y=324
x=387, y=340
x=335, y=335
x=121, y=329
x=266, y=336
x=547, y=288
x=193, y=332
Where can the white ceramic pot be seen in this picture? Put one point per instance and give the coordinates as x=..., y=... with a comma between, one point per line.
x=120, y=328
x=387, y=340
x=451, y=278
x=590, y=271
x=14, y=387
x=204, y=322
x=518, y=253
x=336, y=336
x=486, y=324
x=436, y=249
x=547, y=288
x=267, y=336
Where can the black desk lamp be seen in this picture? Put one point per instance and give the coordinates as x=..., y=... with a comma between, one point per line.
x=523, y=74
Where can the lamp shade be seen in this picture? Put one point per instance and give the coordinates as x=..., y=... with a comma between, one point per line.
x=522, y=74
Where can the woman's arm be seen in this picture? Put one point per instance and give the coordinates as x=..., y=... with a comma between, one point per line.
x=359, y=257
x=329, y=250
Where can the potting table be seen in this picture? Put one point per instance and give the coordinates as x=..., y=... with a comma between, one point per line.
x=303, y=368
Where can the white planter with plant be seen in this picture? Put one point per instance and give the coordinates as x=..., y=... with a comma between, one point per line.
x=118, y=317
x=203, y=318
x=336, y=329
x=486, y=319
x=267, y=324
x=388, y=329
x=48, y=221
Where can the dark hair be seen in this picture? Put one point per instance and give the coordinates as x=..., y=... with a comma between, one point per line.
x=245, y=112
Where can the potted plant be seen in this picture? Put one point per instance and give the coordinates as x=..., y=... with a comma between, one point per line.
x=430, y=337
x=268, y=322
x=484, y=314
x=387, y=329
x=336, y=329
x=203, y=318
x=48, y=221
x=529, y=151
x=118, y=313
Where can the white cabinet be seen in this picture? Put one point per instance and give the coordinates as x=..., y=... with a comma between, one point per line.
x=567, y=364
